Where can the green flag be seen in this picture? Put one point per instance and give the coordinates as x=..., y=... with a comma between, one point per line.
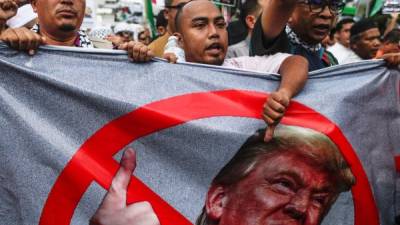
x=150, y=16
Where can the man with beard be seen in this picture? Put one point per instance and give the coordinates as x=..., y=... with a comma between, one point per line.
x=293, y=179
x=59, y=24
x=365, y=41
x=171, y=8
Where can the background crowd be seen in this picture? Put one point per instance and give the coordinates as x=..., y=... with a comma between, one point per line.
x=346, y=38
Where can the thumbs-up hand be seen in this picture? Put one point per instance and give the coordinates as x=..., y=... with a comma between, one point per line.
x=114, y=210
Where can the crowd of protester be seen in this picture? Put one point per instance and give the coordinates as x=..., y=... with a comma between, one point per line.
x=288, y=37
x=313, y=29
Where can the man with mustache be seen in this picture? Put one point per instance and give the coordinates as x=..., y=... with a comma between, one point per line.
x=59, y=24
x=365, y=41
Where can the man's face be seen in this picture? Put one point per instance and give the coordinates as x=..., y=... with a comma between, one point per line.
x=309, y=26
x=368, y=44
x=203, y=33
x=343, y=36
x=391, y=48
x=284, y=189
x=60, y=15
x=170, y=14
x=144, y=38
x=126, y=36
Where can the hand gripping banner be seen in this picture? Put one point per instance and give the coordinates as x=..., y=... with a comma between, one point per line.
x=68, y=115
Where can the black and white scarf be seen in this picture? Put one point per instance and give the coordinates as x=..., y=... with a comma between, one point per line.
x=294, y=39
x=81, y=41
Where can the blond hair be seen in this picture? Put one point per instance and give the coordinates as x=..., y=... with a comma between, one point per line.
x=309, y=143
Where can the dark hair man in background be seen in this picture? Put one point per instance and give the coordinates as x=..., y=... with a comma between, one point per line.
x=391, y=43
x=171, y=7
x=365, y=41
x=161, y=23
x=59, y=23
x=249, y=12
x=341, y=49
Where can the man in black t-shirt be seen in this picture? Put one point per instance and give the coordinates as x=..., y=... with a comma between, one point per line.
x=296, y=27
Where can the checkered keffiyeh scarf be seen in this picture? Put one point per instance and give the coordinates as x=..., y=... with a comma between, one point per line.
x=294, y=39
x=81, y=41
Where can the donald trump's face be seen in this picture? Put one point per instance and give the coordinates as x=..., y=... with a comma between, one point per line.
x=283, y=189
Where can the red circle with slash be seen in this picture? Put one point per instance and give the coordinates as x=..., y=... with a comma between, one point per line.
x=93, y=161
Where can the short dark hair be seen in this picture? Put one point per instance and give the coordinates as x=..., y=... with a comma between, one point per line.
x=161, y=20
x=167, y=3
x=249, y=7
x=359, y=27
x=392, y=37
x=341, y=23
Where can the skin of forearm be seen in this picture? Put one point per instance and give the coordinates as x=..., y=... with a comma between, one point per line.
x=275, y=16
x=294, y=75
x=392, y=24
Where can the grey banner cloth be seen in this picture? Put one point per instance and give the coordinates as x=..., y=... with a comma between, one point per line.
x=50, y=104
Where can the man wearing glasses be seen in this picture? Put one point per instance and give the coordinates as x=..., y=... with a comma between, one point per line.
x=296, y=27
x=171, y=7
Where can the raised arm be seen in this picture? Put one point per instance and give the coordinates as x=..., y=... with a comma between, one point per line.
x=294, y=73
x=275, y=16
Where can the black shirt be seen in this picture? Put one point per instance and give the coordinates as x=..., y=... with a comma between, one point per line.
x=260, y=46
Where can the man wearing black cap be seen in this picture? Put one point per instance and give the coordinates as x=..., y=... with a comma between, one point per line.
x=296, y=27
x=364, y=41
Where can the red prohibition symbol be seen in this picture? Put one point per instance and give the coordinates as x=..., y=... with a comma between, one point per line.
x=93, y=161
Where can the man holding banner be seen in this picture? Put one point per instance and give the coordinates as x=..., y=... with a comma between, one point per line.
x=201, y=32
x=59, y=24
